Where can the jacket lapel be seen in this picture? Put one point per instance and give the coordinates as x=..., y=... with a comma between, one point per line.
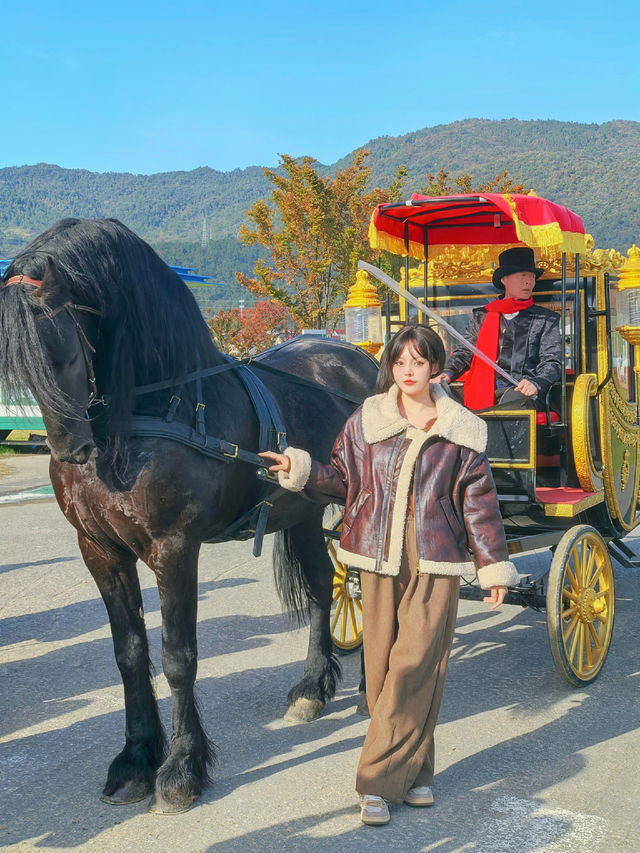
x=381, y=419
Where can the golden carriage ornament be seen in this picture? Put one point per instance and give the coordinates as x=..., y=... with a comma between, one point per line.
x=568, y=479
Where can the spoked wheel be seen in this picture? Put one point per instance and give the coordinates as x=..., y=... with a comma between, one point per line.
x=580, y=605
x=346, y=609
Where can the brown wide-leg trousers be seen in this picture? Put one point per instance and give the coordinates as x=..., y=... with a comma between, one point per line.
x=408, y=624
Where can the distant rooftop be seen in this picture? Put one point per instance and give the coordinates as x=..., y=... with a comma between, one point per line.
x=187, y=274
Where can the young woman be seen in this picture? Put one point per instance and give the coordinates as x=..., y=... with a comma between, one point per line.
x=420, y=502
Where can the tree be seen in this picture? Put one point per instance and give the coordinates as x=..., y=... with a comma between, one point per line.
x=440, y=184
x=242, y=332
x=315, y=229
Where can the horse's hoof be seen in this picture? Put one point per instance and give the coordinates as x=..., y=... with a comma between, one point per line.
x=304, y=710
x=363, y=707
x=159, y=805
x=131, y=792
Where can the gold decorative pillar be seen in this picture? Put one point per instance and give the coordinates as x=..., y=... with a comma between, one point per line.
x=629, y=287
x=363, y=315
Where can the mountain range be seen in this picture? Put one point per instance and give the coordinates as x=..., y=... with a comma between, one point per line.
x=192, y=217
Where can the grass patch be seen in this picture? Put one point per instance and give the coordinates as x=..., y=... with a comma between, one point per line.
x=20, y=435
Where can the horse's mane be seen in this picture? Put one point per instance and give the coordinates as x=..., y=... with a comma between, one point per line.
x=150, y=329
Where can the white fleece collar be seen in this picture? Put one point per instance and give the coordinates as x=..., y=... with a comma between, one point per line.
x=381, y=419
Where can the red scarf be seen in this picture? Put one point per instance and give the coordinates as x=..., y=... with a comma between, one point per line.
x=479, y=380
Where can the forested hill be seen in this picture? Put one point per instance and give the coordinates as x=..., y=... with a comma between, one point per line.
x=164, y=206
x=593, y=169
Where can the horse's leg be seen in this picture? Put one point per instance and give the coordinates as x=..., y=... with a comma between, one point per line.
x=307, y=548
x=185, y=772
x=132, y=773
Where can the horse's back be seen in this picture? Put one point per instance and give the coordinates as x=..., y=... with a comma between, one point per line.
x=328, y=361
x=314, y=417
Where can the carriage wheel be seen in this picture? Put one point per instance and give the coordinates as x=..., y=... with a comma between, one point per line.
x=580, y=605
x=346, y=608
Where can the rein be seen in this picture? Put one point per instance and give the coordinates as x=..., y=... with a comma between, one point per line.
x=238, y=363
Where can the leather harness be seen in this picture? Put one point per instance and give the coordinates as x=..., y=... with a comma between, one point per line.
x=272, y=432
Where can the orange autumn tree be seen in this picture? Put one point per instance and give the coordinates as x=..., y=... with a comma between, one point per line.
x=247, y=331
x=315, y=228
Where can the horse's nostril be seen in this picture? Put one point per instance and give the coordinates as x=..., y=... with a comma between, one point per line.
x=82, y=454
x=78, y=456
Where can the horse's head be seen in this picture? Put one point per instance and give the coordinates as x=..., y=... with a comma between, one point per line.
x=67, y=333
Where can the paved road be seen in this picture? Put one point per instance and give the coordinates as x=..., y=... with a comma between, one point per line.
x=525, y=763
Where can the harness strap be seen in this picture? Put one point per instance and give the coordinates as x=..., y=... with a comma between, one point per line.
x=244, y=362
x=200, y=407
x=182, y=380
x=272, y=429
x=23, y=279
x=254, y=521
x=148, y=426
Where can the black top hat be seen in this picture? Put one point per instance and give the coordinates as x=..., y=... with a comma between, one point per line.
x=519, y=259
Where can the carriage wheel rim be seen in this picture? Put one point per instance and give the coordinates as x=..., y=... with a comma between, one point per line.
x=586, y=605
x=346, y=612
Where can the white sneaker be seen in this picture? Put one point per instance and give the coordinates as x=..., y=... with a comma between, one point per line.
x=419, y=797
x=373, y=810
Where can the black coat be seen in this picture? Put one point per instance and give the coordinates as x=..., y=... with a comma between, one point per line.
x=533, y=337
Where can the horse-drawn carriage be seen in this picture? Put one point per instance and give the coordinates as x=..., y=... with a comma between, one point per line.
x=154, y=437
x=568, y=476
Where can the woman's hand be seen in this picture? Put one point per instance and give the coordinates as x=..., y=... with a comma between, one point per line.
x=497, y=596
x=283, y=463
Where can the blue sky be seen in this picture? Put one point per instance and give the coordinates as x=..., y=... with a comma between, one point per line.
x=149, y=87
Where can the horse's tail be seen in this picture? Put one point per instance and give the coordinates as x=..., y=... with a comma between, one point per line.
x=289, y=576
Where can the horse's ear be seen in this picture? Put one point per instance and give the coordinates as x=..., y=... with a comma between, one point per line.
x=48, y=279
x=54, y=288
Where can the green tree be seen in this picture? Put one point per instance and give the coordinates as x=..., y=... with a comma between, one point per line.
x=315, y=229
x=441, y=184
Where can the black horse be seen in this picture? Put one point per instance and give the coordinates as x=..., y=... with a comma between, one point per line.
x=89, y=313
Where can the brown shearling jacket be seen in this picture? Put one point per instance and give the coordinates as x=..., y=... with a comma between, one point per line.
x=376, y=460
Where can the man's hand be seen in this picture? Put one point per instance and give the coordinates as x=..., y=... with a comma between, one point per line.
x=497, y=596
x=441, y=377
x=526, y=387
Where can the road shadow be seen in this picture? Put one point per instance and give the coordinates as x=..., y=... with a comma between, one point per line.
x=11, y=567
x=498, y=664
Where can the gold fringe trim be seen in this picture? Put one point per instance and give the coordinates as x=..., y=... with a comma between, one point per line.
x=395, y=245
x=551, y=236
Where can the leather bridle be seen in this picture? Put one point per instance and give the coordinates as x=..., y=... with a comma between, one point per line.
x=86, y=347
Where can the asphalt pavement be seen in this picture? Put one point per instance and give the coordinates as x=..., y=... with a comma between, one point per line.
x=525, y=763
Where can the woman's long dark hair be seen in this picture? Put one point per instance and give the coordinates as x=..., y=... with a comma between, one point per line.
x=424, y=339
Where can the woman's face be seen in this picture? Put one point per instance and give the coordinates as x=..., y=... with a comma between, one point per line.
x=412, y=372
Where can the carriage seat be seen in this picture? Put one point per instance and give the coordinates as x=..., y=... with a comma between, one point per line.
x=546, y=418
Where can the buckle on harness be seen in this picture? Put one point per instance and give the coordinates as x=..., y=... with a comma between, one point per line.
x=224, y=444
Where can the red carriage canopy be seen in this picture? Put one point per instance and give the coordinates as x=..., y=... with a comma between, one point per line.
x=482, y=219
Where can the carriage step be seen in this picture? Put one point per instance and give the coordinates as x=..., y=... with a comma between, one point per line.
x=623, y=554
